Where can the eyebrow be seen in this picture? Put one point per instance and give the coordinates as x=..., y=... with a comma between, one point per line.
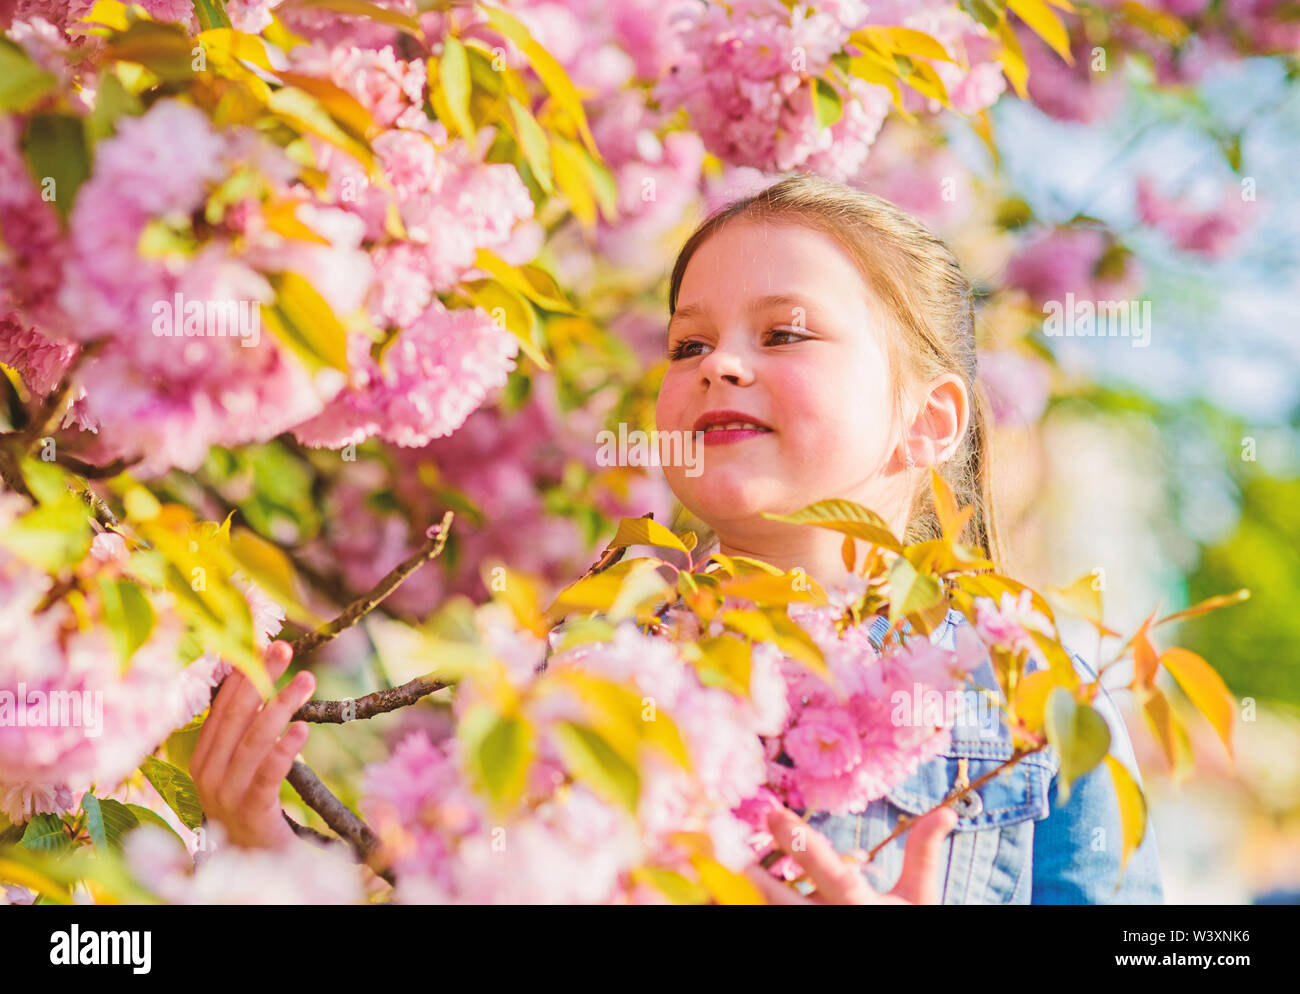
x=757, y=304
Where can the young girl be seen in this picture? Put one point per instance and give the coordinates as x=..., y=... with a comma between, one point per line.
x=823, y=340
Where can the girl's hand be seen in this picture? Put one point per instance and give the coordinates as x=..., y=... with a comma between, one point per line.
x=244, y=751
x=840, y=882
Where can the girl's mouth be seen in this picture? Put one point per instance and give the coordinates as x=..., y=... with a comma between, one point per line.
x=735, y=431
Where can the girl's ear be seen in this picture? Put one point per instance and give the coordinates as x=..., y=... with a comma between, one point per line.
x=940, y=422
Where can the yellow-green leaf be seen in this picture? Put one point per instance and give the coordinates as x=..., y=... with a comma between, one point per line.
x=23, y=83
x=1132, y=808
x=453, y=76
x=302, y=319
x=828, y=106
x=844, y=516
x=1205, y=689
x=1078, y=732
x=594, y=762
x=646, y=531
x=532, y=141
x=1038, y=15
x=910, y=591
x=511, y=311
x=551, y=73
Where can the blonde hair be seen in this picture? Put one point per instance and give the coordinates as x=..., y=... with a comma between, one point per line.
x=922, y=286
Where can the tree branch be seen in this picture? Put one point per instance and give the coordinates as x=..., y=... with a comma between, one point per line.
x=359, y=608
x=380, y=702
x=339, y=817
x=905, y=823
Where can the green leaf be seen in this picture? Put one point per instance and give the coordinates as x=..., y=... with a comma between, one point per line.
x=164, y=49
x=211, y=14
x=23, y=83
x=453, y=75
x=532, y=141
x=55, y=148
x=107, y=820
x=146, y=816
x=176, y=788
x=53, y=535
x=910, y=591
x=502, y=758
x=112, y=101
x=828, y=106
x=1078, y=732
x=593, y=761
x=45, y=833
x=128, y=614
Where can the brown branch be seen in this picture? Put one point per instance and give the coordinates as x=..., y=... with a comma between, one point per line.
x=905, y=823
x=11, y=472
x=380, y=702
x=310, y=834
x=359, y=608
x=92, y=472
x=331, y=586
x=339, y=817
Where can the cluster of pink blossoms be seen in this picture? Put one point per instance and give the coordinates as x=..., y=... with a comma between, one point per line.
x=1209, y=232
x=565, y=843
x=841, y=747
x=180, y=217
x=1083, y=261
x=70, y=716
x=796, y=739
x=746, y=70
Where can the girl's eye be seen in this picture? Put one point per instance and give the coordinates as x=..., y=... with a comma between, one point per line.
x=798, y=335
x=679, y=350
x=682, y=350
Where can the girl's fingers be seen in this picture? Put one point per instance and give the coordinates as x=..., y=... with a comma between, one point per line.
x=241, y=704
x=208, y=731
x=835, y=881
x=264, y=788
x=263, y=731
x=773, y=891
x=920, y=881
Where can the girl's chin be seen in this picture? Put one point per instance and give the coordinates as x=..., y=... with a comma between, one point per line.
x=718, y=501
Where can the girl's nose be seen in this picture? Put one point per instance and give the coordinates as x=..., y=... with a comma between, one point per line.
x=725, y=364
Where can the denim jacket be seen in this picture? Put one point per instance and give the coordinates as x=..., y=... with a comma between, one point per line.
x=1014, y=843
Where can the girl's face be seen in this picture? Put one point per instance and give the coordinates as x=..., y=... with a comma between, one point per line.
x=775, y=322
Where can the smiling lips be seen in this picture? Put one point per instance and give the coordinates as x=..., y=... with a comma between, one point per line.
x=721, y=427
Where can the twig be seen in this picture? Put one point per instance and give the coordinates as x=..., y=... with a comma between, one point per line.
x=331, y=586
x=310, y=834
x=380, y=702
x=363, y=605
x=904, y=824
x=92, y=472
x=339, y=817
